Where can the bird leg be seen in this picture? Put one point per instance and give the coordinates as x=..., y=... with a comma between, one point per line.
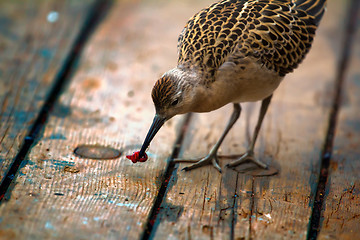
x=212, y=158
x=249, y=155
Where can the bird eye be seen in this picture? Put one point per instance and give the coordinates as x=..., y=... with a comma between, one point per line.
x=175, y=102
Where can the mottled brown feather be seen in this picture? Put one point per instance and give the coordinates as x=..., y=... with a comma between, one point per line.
x=162, y=92
x=273, y=34
x=277, y=33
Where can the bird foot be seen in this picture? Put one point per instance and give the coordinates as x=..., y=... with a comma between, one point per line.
x=199, y=162
x=247, y=157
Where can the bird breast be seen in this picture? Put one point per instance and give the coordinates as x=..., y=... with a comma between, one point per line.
x=245, y=81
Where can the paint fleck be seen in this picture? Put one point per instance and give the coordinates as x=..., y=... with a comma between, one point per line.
x=267, y=215
x=48, y=225
x=52, y=17
x=71, y=169
x=91, y=83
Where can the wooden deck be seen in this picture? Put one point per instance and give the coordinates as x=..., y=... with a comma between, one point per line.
x=81, y=72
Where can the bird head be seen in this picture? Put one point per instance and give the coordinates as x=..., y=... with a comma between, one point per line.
x=172, y=95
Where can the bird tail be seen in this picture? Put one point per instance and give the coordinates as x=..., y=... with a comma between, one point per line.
x=315, y=8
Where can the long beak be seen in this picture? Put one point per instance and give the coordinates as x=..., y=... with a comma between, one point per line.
x=155, y=126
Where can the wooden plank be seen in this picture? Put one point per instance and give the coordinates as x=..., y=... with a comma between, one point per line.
x=35, y=38
x=206, y=205
x=59, y=195
x=201, y=204
x=341, y=217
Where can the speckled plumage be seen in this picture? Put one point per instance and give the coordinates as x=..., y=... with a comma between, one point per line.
x=277, y=33
x=231, y=52
x=258, y=38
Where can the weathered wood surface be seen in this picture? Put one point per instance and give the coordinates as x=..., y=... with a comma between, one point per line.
x=341, y=217
x=107, y=103
x=58, y=195
x=34, y=43
x=204, y=204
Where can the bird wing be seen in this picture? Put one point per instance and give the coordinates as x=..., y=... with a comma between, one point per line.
x=276, y=33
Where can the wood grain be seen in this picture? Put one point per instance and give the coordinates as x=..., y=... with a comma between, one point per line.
x=204, y=204
x=341, y=217
x=108, y=103
x=58, y=195
x=33, y=46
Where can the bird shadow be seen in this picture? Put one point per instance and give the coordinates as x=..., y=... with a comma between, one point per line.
x=250, y=168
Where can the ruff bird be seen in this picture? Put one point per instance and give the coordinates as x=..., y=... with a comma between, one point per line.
x=234, y=51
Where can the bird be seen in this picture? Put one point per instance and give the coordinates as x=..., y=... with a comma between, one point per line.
x=234, y=51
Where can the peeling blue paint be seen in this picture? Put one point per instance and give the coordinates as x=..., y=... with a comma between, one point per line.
x=48, y=225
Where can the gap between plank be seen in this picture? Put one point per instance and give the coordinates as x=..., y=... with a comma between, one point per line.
x=252, y=205
x=319, y=202
x=151, y=227
x=234, y=209
x=97, y=11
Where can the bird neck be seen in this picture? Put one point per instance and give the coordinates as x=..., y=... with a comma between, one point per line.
x=200, y=97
